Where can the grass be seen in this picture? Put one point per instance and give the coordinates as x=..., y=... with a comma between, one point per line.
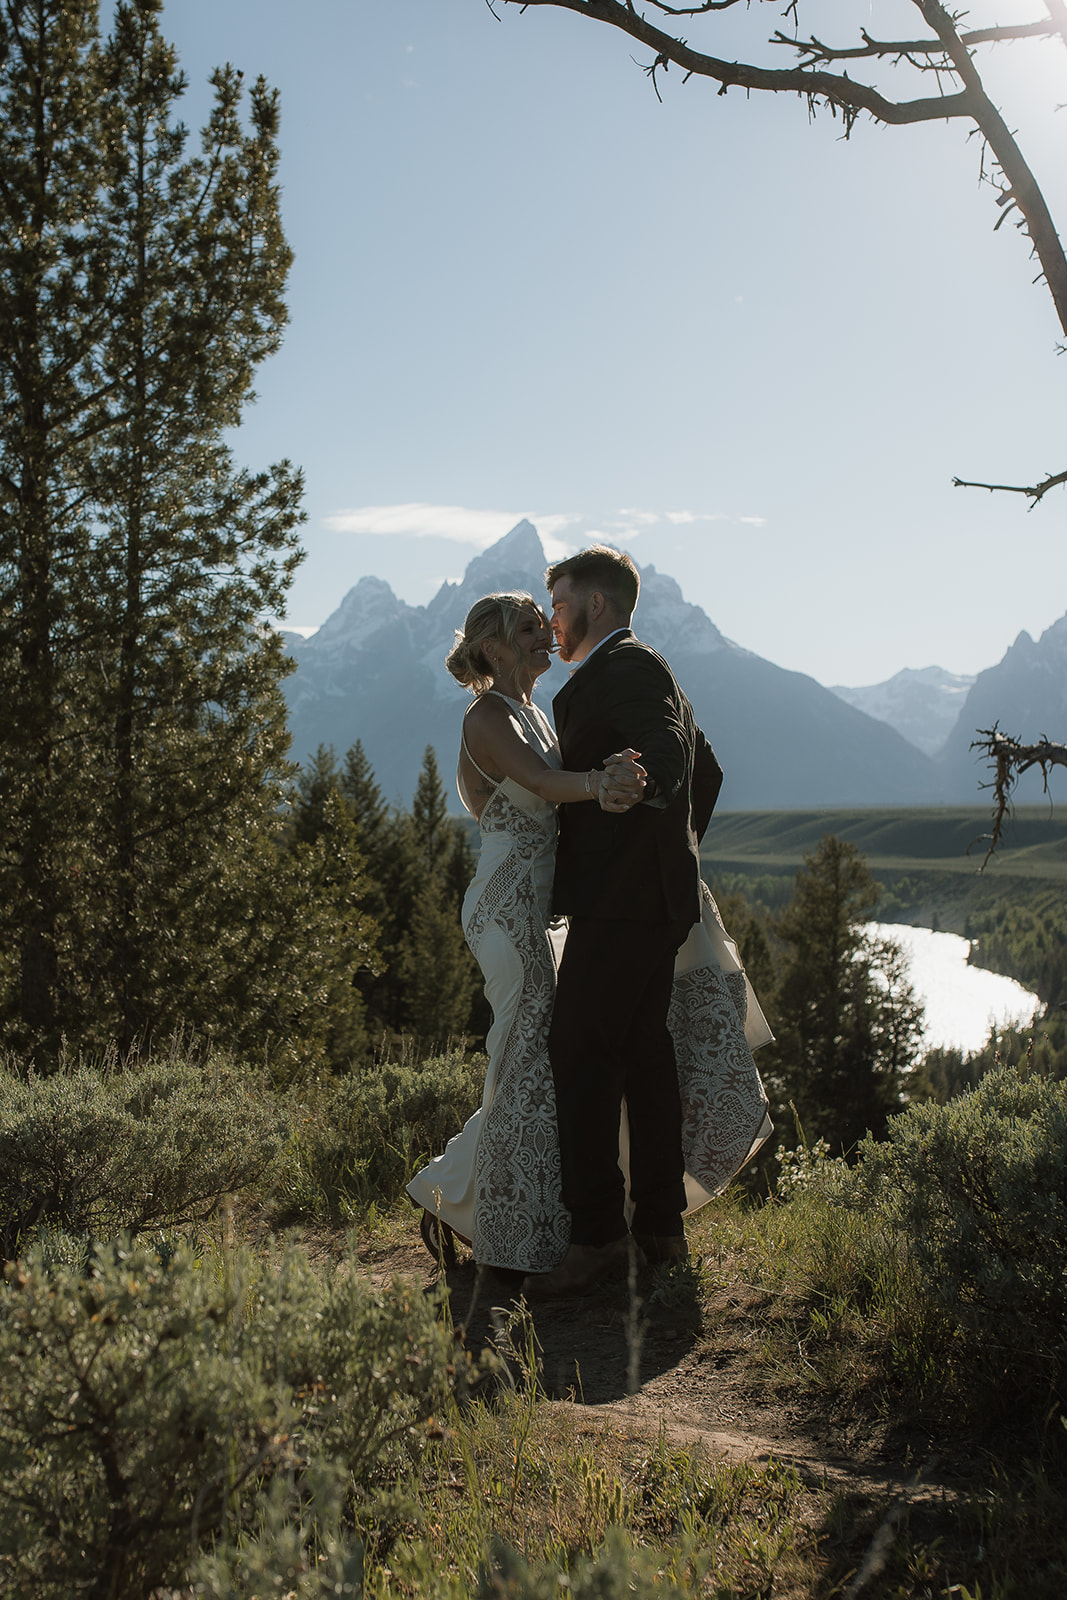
x=809, y=1306
x=919, y=839
x=561, y=1491
x=807, y=1309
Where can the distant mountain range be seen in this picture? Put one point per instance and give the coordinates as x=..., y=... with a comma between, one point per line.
x=1026, y=694
x=922, y=705
x=375, y=671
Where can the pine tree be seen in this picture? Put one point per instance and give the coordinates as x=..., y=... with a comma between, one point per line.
x=324, y=845
x=369, y=811
x=436, y=969
x=429, y=813
x=53, y=257
x=188, y=550
x=143, y=741
x=315, y=784
x=429, y=976
x=749, y=926
x=846, y=1015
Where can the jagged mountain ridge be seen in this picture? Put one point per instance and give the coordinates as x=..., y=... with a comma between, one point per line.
x=923, y=705
x=375, y=671
x=1026, y=695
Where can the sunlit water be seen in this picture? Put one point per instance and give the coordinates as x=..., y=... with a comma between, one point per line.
x=962, y=1003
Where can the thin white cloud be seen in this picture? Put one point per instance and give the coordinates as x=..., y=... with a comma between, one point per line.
x=556, y=550
x=553, y=523
x=421, y=521
x=612, y=533
x=478, y=528
x=647, y=517
x=464, y=524
x=683, y=519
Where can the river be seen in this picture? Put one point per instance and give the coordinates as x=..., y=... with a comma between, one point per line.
x=961, y=1002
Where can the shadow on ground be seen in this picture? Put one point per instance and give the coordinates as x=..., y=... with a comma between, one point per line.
x=593, y=1348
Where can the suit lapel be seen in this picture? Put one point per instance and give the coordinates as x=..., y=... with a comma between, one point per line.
x=583, y=680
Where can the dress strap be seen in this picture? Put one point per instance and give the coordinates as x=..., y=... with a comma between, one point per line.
x=523, y=713
x=467, y=748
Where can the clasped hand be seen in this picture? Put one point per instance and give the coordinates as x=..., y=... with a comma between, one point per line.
x=622, y=783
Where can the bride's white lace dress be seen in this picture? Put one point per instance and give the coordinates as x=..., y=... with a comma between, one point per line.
x=497, y=1182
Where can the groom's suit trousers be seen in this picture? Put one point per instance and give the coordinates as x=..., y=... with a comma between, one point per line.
x=630, y=885
x=609, y=1040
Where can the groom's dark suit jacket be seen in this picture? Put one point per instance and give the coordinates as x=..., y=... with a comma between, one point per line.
x=643, y=865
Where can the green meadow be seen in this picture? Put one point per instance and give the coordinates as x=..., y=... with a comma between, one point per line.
x=925, y=839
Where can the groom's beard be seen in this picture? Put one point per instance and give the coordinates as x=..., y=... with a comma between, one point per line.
x=571, y=637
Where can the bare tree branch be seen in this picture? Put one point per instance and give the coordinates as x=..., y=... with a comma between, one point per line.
x=1034, y=490
x=849, y=96
x=948, y=53
x=1021, y=183
x=836, y=90
x=813, y=49
x=1009, y=759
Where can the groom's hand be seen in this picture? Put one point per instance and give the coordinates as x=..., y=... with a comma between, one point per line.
x=623, y=783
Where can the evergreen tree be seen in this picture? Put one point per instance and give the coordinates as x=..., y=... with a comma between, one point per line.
x=430, y=976
x=324, y=851
x=316, y=783
x=847, y=1020
x=189, y=551
x=433, y=830
x=369, y=811
x=143, y=738
x=383, y=841
x=436, y=968
x=53, y=257
x=749, y=925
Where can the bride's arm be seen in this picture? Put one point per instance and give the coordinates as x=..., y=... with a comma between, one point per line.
x=500, y=750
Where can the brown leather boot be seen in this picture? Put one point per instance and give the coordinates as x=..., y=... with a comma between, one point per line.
x=582, y=1268
x=659, y=1247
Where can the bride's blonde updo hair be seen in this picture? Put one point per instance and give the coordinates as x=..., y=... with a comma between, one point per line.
x=493, y=617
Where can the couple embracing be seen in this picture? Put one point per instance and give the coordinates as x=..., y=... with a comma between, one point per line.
x=621, y=1091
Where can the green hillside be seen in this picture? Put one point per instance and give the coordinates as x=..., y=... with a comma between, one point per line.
x=1015, y=912
x=916, y=839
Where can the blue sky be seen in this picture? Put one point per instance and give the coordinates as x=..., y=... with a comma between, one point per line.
x=748, y=351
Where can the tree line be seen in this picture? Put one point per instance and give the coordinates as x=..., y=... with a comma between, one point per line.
x=409, y=871
x=847, y=1023
x=164, y=866
x=145, y=884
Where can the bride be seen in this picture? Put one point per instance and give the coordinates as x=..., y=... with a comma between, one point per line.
x=497, y=1183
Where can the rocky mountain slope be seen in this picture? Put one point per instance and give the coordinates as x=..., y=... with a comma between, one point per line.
x=1026, y=694
x=375, y=671
x=923, y=705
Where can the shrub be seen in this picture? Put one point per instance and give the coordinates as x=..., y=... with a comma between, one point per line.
x=378, y=1127
x=979, y=1188
x=618, y=1571
x=146, y=1410
x=102, y=1152
x=298, y=1550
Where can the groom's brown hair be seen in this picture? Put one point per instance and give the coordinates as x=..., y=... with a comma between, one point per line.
x=602, y=568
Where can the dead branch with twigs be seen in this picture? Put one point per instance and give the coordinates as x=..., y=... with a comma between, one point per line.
x=1010, y=758
x=948, y=50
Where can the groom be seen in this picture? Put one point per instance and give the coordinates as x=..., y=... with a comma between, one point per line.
x=630, y=885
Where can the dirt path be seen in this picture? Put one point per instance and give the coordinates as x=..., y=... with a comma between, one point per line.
x=633, y=1357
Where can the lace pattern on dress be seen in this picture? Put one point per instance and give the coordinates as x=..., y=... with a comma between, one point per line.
x=519, y=1219
x=723, y=1101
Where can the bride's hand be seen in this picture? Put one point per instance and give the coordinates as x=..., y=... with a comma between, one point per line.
x=622, y=783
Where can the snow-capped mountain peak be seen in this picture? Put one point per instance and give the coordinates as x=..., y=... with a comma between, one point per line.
x=921, y=704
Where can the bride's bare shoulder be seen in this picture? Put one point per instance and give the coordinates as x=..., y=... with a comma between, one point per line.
x=488, y=711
